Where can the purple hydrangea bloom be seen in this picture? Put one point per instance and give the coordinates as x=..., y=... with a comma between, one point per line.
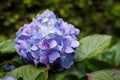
x=47, y=39
x=8, y=67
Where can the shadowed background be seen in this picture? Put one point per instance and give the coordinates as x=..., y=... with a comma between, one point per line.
x=90, y=16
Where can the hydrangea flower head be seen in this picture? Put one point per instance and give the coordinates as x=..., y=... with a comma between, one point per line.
x=46, y=40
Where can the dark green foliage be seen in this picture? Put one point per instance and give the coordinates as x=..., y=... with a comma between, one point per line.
x=112, y=56
x=90, y=16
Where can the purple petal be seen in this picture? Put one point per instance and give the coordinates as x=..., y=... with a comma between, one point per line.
x=19, y=31
x=23, y=43
x=27, y=31
x=53, y=56
x=68, y=65
x=8, y=78
x=35, y=54
x=23, y=37
x=20, y=50
x=53, y=43
x=75, y=44
x=60, y=48
x=47, y=44
x=69, y=50
x=36, y=62
x=44, y=59
x=77, y=31
x=42, y=46
x=35, y=23
x=66, y=60
x=47, y=13
x=34, y=48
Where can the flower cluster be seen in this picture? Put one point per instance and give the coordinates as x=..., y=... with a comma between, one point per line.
x=8, y=67
x=47, y=39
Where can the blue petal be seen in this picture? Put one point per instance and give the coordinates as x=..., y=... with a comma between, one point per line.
x=53, y=56
x=44, y=59
x=69, y=50
x=9, y=78
x=47, y=44
x=66, y=60
x=9, y=67
x=75, y=44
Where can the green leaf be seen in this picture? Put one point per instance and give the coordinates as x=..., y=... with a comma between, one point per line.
x=92, y=46
x=105, y=75
x=41, y=76
x=57, y=76
x=111, y=56
x=17, y=59
x=93, y=65
x=78, y=70
x=7, y=46
x=27, y=72
x=2, y=74
x=116, y=49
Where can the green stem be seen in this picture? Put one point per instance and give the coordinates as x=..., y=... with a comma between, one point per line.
x=47, y=69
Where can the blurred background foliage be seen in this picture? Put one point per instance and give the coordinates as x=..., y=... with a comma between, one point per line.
x=90, y=16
